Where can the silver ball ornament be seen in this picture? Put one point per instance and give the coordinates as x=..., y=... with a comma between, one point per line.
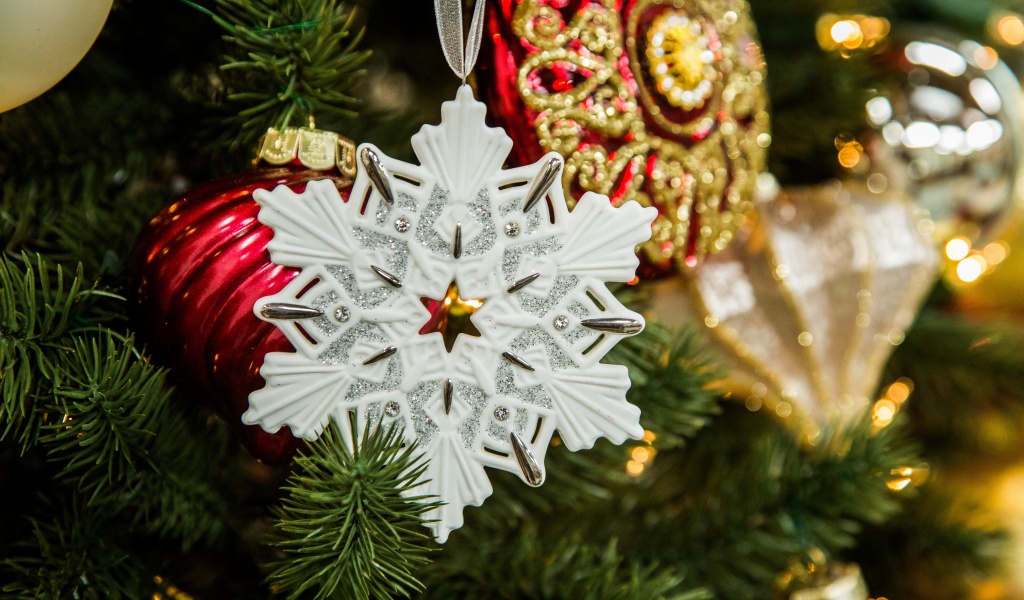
x=947, y=128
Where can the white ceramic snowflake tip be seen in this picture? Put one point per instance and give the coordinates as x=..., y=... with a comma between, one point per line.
x=452, y=230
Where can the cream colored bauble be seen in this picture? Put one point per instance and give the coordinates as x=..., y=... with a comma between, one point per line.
x=41, y=41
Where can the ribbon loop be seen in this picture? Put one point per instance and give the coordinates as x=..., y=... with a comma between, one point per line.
x=460, y=53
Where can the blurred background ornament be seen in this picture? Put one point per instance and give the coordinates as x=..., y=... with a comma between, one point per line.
x=833, y=582
x=811, y=301
x=41, y=41
x=201, y=263
x=659, y=101
x=947, y=128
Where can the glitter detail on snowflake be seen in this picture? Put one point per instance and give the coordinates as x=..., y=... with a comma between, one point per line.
x=493, y=400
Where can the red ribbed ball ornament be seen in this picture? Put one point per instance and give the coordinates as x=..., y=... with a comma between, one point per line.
x=201, y=263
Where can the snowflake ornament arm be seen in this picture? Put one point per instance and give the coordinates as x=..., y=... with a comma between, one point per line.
x=455, y=230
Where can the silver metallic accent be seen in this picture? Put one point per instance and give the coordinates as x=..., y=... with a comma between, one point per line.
x=388, y=277
x=283, y=310
x=449, y=391
x=501, y=413
x=457, y=246
x=541, y=185
x=614, y=325
x=511, y=229
x=561, y=322
x=392, y=409
x=525, y=281
x=519, y=362
x=402, y=224
x=342, y=314
x=378, y=174
x=528, y=464
x=389, y=351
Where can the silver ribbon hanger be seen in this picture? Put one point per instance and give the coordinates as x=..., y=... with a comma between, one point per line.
x=461, y=56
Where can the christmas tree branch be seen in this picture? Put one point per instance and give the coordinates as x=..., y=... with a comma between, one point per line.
x=115, y=447
x=744, y=501
x=931, y=551
x=75, y=552
x=110, y=401
x=347, y=528
x=86, y=201
x=288, y=62
x=37, y=308
x=533, y=565
x=188, y=496
x=673, y=382
x=963, y=372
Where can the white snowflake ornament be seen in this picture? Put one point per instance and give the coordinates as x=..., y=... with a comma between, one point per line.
x=455, y=227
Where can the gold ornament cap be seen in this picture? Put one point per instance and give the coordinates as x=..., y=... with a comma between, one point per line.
x=313, y=148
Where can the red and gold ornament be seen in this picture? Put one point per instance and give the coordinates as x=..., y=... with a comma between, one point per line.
x=202, y=262
x=659, y=101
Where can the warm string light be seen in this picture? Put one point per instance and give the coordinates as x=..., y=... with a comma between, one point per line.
x=967, y=265
x=850, y=152
x=886, y=407
x=1007, y=27
x=882, y=414
x=904, y=477
x=848, y=33
x=641, y=456
x=169, y=591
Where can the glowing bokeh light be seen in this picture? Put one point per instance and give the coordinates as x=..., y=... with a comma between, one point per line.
x=957, y=248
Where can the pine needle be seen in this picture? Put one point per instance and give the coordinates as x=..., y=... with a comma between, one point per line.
x=345, y=526
x=288, y=62
x=37, y=307
x=111, y=401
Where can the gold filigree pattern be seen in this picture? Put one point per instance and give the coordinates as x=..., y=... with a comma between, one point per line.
x=680, y=61
x=660, y=101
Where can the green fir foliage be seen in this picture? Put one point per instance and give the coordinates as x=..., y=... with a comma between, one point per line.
x=931, y=551
x=188, y=495
x=815, y=96
x=744, y=501
x=954, y=398
x=89, y=421
x=288, y=62
x=74, y=553
x=108, y=398
x=36, y=311
x=534, y=565
x=349, y=526
x=674, y=381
